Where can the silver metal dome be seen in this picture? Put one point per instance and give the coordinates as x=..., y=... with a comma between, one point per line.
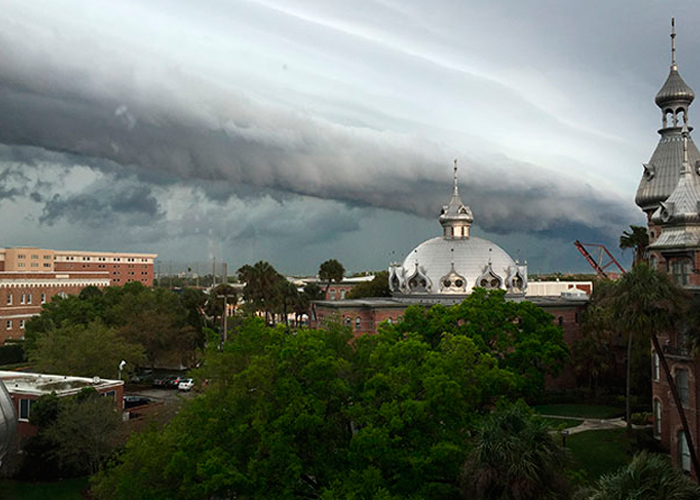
x=443, y=262
x=8, y=421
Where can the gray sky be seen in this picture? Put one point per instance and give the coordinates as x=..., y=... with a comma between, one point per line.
x=297, y=131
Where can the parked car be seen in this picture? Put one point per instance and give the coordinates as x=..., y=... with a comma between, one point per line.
x=165, y=382
x=186, y=384
x=134, y=401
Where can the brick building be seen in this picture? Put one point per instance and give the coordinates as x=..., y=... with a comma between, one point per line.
x=30, y=277
x=445, y=269
x=669, y=195
x=25, y=388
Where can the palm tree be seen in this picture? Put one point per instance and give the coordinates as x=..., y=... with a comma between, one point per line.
x=646, y=477
x=638, y=239
x=514, y=457
x=331, y=270
x=646, y=302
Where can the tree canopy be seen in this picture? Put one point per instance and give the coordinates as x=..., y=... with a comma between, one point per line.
x=166, y=327
x=316, y=415
x=378, y=287
x=331, y=270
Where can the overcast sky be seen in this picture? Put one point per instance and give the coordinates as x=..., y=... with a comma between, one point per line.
x=301, y=130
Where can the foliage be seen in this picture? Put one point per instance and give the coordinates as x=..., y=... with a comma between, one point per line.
x=647, y=477
x=84, y=432
x=75, y=435
x=518, y=335
x=378, y=287
x=310, y=415
x=11, y=353
x=165, y=325
x=84, y=351
x=514, y=457
x=262, y=287
x=331, y=270
x=636, y=238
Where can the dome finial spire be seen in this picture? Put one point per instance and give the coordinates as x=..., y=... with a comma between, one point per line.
x=456, y=189
x=673, y=43
x=685, y=167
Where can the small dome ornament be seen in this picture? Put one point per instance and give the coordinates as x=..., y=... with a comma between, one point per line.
x=675, y=96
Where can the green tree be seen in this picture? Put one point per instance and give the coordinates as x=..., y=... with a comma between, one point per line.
x=647, y=477
x=514, y=457
x=262, y=288
x=86, y=351
x=518, y=335
x=331, y=271
x=312, y=415
x=644, y=302
x=84, y=433
x=378, y=287
x=636, y=238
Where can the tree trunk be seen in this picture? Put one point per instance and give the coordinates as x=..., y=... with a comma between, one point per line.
x=628, y=412
x=677, y=400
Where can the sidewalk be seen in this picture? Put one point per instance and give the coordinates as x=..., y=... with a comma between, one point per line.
x=595, y=424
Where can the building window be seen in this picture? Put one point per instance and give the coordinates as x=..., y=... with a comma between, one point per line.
x=9, y=299
x=21, y=324
x=35, y=256
x=21, y=264
x=43, y=298
x=654, y=366
x=22, y=299
x=683, y=451
x=681, y=271
x=8, y=324
x=682, y=384
x=332, y=294
x=348, y=322
x=20, y=256
x=358, y=322
x=561, y=322
x=342, y=295
x=25, y=406
x=109, y=394
x=29, y=298
x=657, y=418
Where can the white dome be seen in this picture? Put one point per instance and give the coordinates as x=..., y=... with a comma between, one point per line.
x=475, y=260
x=456, y=262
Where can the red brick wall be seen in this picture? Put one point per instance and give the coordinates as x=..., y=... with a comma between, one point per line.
x=119, y=272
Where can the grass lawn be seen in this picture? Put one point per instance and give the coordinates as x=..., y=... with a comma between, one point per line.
x=600, y=452
x=584, y=411
x=68, y=489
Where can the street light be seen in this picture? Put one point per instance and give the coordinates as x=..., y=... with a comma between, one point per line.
x=225, y=314
x=564, y=433
x=121, y=367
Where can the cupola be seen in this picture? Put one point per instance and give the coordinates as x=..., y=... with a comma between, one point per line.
x=456, y=217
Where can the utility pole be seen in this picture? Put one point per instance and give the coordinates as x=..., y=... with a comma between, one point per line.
x=213, y=272
x=225, y=314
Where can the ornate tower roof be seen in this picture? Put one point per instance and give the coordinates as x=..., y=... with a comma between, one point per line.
x=675, y=92
x=661, y=174
x=680, y=213
x=456, y=217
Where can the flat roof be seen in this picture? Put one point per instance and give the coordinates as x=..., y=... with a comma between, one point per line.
x=38, y=384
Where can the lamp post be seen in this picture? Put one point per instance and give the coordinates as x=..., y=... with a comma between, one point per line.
x=564, y=433
x=121, y=367
x=225, y=313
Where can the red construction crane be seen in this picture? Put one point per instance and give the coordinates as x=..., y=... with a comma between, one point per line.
x=601, y=264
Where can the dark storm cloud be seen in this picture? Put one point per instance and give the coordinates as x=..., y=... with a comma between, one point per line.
x=130, y=205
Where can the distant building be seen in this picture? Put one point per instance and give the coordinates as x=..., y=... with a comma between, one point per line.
x=25, y=388
x=445, y=269
x=30, y=277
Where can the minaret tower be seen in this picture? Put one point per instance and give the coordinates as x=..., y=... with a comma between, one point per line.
x=456, y=217
x=662, y=172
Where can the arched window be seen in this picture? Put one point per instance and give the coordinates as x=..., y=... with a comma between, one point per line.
x=654, y=366
x=561, y=322
x=342, y=295
x=348, y=322
x=332, y=294
x=358, y=323
x=683, y=451
x=682, y=385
